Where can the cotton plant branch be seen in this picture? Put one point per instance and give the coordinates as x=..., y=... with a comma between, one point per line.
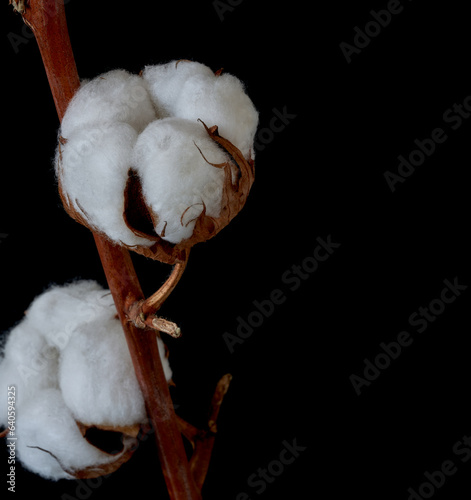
x=184, y=479
x=142, y=312
x=203, y=442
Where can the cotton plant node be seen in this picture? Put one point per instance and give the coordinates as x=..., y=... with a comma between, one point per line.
x=152, y=321
x=151, y=163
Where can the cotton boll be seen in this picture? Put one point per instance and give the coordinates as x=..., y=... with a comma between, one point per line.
x=95, y=372
x=165, y=82
x=61, y=380
x=116, y=96
x=92, y=167
x=49, y=441
x=101, y=173
x=177, y=182
x=222, y=101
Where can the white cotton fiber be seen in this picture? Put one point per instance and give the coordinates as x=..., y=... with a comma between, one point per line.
x=97, y=377
x=29, y=363
x=222, y=101
x=177, y=181
x=191, y=90
x=68, y=360
x=45, y=422
x=115, y=96
x=165, y=82
x=93, y=166
x=60, y=309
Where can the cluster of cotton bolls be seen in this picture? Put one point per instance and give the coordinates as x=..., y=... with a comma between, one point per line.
x=69, y=363
x=151, y=124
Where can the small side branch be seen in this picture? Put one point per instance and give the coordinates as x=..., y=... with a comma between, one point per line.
x=203, y=441
x=142, y=312
x=155, y=301
x=140, y=320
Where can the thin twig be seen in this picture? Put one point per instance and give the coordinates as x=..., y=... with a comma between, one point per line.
x=155, y=301
x=204, y=442
x=142, y=312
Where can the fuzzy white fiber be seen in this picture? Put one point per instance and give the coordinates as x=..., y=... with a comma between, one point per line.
x=68, y=360
x=192, y=91
x=166, y=82
x=178, y=183
x=120, y=121
x=95, y=163
x=115, y=96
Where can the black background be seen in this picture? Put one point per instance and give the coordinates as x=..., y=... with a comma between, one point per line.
x=322, y=175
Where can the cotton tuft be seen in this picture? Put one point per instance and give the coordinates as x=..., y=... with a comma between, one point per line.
x=69, y=362
x=190, y=90
x=115, y=96
x=94, y=164
x=166, y=82
x=171, y=157
x=118, y=125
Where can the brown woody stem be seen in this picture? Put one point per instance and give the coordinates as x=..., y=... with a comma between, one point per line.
x=47, y=20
